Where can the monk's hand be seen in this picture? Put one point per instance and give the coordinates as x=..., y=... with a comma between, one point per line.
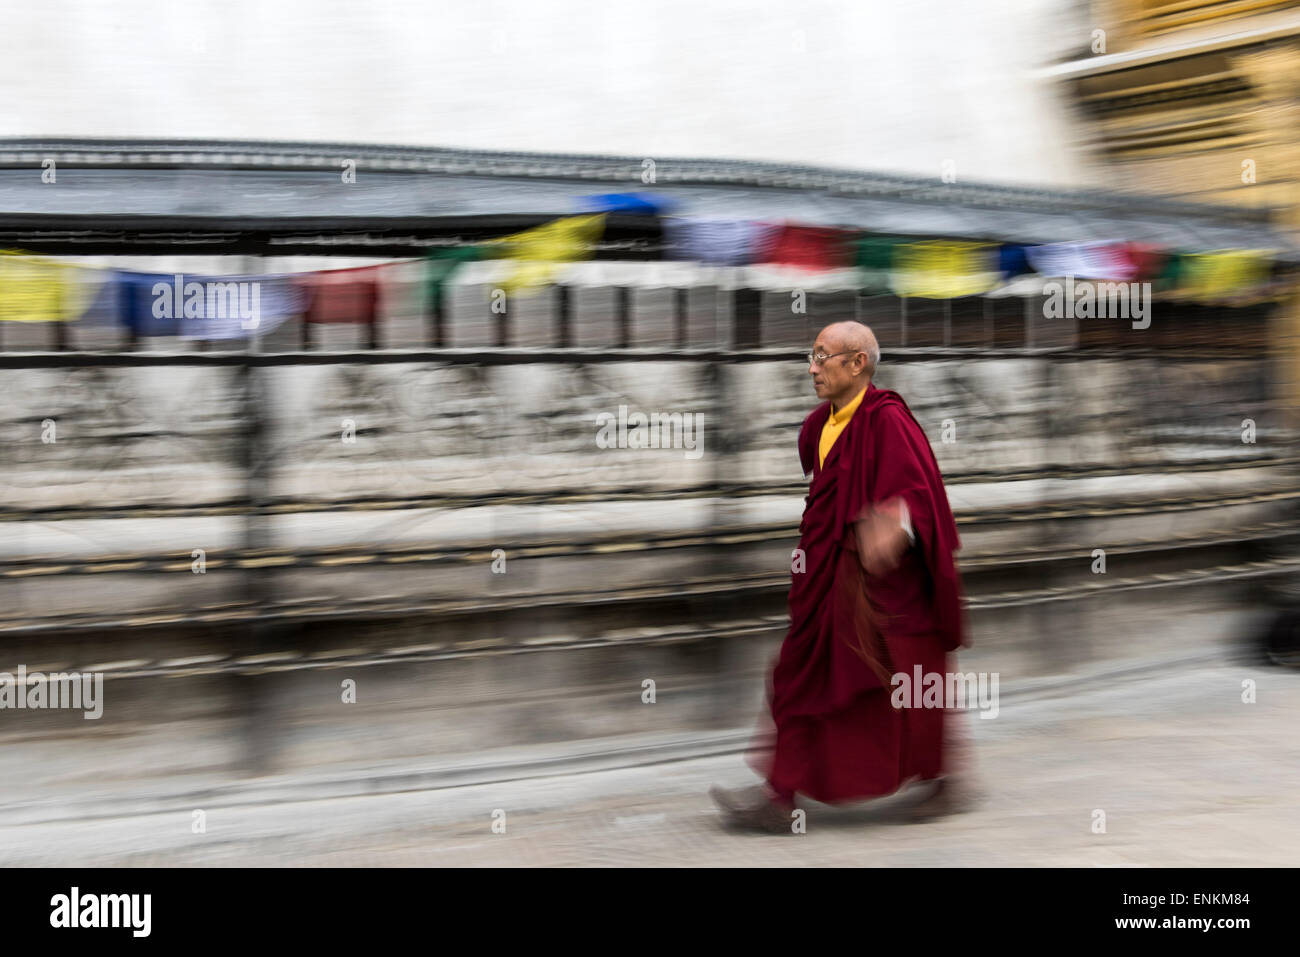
x=881, y=539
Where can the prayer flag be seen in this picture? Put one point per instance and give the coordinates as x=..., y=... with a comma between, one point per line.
x=34, y=289
x=718, y=242
x=205, y=307
x=934, y=269
x=635, y=204
x=342, y=295
x=810, y=247
x=539, y=251
x=1092, y=260
x=1221, y=275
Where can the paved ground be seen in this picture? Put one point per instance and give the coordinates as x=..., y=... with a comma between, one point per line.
x=1186, y=773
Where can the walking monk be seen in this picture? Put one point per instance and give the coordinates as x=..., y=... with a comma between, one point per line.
x=874, y=592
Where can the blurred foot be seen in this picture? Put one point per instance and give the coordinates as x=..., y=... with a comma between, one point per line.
x=731, y=800
x=752, y=809
x=950, y=795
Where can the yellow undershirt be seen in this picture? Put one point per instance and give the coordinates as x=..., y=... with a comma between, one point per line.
x=835, y=424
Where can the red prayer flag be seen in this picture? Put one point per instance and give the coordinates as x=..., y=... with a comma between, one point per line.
x=810, y=247
x=342, y=295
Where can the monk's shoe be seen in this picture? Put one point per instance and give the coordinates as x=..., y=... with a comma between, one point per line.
x=752, y=809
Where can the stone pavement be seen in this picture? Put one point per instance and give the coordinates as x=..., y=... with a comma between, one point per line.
x=1186, y=773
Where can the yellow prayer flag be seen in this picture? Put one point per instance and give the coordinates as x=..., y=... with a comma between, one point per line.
x=1221, y=275
x=944, y=270
x=540, y=250
x=33, y=289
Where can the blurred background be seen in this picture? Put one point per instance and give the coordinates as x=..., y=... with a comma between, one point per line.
x=309, y=315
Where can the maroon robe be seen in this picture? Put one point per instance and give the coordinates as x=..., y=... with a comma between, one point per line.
x=838, y=737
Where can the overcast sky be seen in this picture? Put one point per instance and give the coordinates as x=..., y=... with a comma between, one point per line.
x=878, y=84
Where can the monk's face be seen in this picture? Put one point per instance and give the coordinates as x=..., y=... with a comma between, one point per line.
x=838, y=378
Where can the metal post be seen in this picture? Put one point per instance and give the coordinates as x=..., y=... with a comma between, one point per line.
x=563, y=317
x=746, y=318
x=437, y=315
x=503, y=324
x=623, y=311
x=252, y=693
x=680, y=307
x=727, y=442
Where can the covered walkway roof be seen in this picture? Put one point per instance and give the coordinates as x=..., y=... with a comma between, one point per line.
x=209, y=197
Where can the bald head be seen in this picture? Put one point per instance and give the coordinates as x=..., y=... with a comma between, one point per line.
x=850, y=335
x=853, y=355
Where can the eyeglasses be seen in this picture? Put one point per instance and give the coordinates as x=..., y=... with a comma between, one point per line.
x=815, y=359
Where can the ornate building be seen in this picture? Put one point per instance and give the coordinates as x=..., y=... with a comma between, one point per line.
x=1200, y=99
